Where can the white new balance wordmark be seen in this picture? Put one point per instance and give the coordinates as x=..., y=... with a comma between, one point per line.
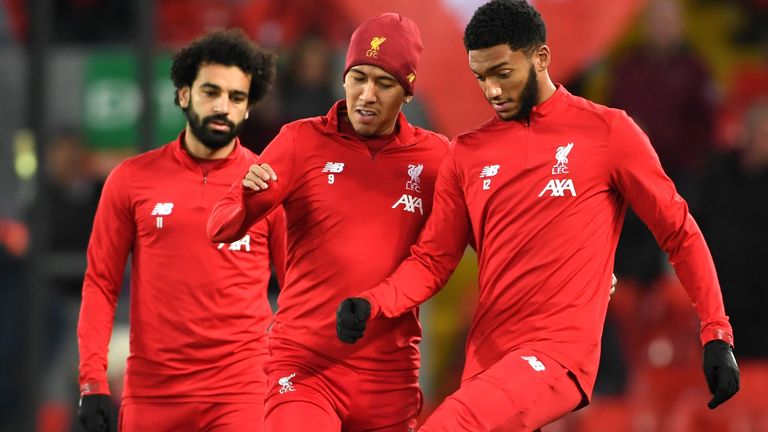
x=489, y=171
x=410, y=204
x=162, y=209
x=333, y=167
x=287, y=385
x=534, y=362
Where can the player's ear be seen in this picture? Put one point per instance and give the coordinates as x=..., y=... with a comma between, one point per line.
x=541, y=58
x=184, y=93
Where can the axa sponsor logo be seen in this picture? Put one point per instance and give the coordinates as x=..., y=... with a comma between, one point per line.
x=414, y=171
x=558, y=188
x=244, y=244
x=410, y=204
x=160, y=210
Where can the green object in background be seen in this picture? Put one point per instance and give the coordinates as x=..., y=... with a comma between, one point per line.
x=112, y=102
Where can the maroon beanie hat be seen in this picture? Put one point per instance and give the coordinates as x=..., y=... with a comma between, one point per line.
x=389, y=41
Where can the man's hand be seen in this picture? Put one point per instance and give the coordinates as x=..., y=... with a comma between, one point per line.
x=259, y=176
x=613, y=286
x=351, y=318
x=97, y=413
x=721, y=371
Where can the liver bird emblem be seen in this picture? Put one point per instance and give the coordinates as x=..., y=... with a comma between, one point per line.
x=375, y=46
x=562, y=155
x=414, y=171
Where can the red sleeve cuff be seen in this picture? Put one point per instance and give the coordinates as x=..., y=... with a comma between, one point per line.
x=375, y=308
x=90, y=388
x=708, y=335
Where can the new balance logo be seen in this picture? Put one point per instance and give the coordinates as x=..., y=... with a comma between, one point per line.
x=410, y=204
x=534, y=362
x=243, y=243
x=162, y=209
x=333, y=167
x=489, y=171
x=558, y=187
x=287, y=385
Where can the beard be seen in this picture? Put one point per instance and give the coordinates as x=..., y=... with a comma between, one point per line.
x=528, y=97
x=211, y=138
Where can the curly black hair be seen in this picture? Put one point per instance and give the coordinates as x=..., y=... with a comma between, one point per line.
x=230, y=48
x=512, y=22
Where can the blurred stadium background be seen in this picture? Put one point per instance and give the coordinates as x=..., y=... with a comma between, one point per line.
x=85, y=84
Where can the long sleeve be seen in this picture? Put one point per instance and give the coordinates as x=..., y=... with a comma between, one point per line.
x=241, y=207
x=436, y=254
x=639, y=178
x=277, y=237
x=111, y=241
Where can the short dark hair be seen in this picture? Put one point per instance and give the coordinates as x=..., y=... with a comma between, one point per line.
x=229, y=48
x=512, y=22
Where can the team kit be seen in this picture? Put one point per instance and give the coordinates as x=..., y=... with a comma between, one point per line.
x=364, y=216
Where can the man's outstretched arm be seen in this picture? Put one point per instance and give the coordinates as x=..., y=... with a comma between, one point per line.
x=640, y=179
x=247, y=201
x=256, y=194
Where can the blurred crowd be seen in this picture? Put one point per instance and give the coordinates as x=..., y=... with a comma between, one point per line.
x=692, y=73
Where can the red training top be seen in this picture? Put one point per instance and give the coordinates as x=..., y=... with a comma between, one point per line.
x=351, y=219
x=545, y=201
x=199, y=310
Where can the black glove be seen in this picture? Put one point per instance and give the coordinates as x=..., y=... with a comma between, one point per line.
x=351, y=318
x=721, y=371
x=97, y=413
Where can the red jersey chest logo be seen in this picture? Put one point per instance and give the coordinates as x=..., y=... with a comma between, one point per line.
x=242, y=245
x=161, y=210
x=414, y=183
x=333, y=168
x=486, y=173
x=559, y=186
x=411, y=203
x=561, y=155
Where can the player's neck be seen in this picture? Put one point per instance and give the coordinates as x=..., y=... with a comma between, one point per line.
x=546, y=89
x=197, y=149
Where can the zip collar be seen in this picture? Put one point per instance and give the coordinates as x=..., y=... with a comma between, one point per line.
x=186, y=160
x=552, y=103
x=558, y=98
x=404, y=137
